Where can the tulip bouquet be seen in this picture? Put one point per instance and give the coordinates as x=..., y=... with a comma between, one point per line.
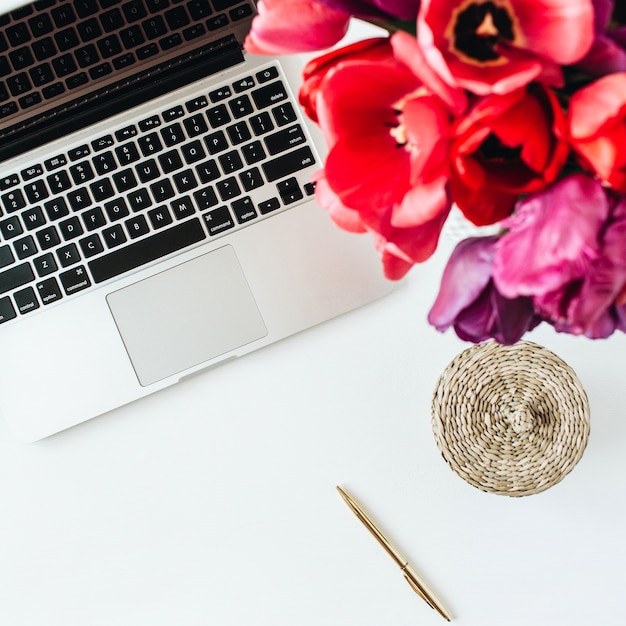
x=512, y=110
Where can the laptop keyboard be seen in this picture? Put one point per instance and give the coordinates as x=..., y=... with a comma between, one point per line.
x=52, y=48
x=198, y=169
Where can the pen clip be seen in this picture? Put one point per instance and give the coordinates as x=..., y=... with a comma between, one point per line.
x=417, y=590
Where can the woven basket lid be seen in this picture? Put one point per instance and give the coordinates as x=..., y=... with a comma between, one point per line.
x=510, y=420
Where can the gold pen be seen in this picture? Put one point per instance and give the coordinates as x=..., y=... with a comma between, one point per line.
x=416, y=583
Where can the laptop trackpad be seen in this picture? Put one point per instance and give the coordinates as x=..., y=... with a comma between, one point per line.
x=186, y=315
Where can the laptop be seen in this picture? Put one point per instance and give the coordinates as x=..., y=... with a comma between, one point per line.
x=156, y=212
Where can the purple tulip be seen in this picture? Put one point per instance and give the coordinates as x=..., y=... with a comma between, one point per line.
x=377, y=9
x=469, y=301
x=566, y=248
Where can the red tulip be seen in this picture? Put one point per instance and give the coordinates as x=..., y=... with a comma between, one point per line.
x=499, y=46
x=507, y=145
x=597, y=121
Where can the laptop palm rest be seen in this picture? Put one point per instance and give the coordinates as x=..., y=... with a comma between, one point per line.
x=186, y=315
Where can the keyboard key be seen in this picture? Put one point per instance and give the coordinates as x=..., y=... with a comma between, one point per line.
x=59, y=181
x=267, y=74
x=154, y=27
x=199, y=9
x=73, y=82
x=21, y=58
x=228, y=188
x=269, y=94
x=172, y=134
x=148, y=171
x=149, y=123
x=85, y=8
x=29, y=100
x=41, y=75
x=82, y=172
x=114, y=236
x=137, y=226
x=182, y=207
x=89, y=30
x=139, y=200
x=205, y=198
x=162, y=190
x=36, y=191
x=48, y=238
x=33, y=218
x=45, y=265
x=251, y=179
x=267, y=206
x=11, y=227
x=193, y=152
x=285, y=139
x=87, y=55
x=79, y=199
x=56, y=208
x=288, y=163
x=170, y=161
x=101, y=190
x=71, y=228
x=16, y=277
x=127, y=153
x=40, y=25
x=240, y=13
x=99, y=71
x=160, y=217
x=218, y=220
x=79, y=153
x=93, y=218
x=134, y=10
x=132, y=37
x=147, y=250
x=63, y=15
x=217, y=22
x=49, y=291
x=195, y=125
x=289, y=191
x=26, y=300
x=241, y=106
x=91, y=245
x=64, y=65
x=7, y=312
x=112, y=20
x=44, y=48
x=66, y=39
x=74, y=280
x=116, y=209
x=244, y=210
x=18, y=34
x=6, y=256
x=19, y=84
x=68, y=255
x=55, y=162
x=25, y=247
x=13, y=201
x=284, y=114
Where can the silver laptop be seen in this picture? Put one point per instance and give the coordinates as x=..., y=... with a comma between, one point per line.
x=157, y=216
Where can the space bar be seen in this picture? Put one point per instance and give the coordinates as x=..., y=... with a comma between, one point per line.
x=147, y=250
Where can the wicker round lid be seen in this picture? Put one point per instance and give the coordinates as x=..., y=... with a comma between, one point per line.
x=510, y=420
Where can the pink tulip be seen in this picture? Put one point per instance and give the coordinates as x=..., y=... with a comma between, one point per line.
x=469, y=302
x=288, y=26
x=497, y=47
x=566, y=249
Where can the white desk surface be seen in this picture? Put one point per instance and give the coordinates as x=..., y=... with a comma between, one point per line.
x=214, y=503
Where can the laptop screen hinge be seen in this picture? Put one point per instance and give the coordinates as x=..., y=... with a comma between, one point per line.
x=120, y=96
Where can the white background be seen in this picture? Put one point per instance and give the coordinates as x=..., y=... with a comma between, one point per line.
x=214, y=502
